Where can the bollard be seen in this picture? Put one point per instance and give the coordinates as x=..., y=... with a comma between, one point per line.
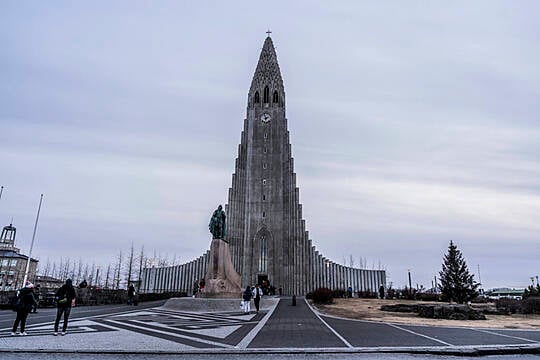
x=294, y=300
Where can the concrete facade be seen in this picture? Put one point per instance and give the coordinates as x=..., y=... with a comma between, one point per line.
x=266, y=231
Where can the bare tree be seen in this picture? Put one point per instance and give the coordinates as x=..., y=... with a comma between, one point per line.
x=85, y=276
x=351, y=260
x=118, y=270
x=362, y=264
x=79, y=271
x=130, y=265
x=91, y=275
x=141, y=259
x=107, y=276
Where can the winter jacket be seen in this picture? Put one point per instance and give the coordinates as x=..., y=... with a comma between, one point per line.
x=26, y=299
x=259, y=290
x=246, y=295
x=67, y=291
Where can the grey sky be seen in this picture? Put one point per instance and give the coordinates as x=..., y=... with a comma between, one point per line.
x=410, y=124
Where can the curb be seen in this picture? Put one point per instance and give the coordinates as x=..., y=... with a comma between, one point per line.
x=443, y=350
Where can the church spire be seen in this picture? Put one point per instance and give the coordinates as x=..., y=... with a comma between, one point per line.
x=267, y=84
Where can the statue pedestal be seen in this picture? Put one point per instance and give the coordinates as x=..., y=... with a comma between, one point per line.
x=222, y=280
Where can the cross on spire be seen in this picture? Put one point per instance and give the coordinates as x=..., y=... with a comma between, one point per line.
x=268, y=32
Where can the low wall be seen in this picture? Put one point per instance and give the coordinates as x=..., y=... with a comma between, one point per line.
x=190, y=304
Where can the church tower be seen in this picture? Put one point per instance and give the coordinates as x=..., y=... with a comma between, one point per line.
x=266, y=231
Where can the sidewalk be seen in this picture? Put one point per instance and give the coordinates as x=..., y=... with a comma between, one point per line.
x=295, y=327
x=279, y=328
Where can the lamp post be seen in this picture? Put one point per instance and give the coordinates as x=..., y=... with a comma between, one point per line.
x=32, y=243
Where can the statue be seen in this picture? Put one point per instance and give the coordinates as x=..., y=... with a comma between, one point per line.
x=217, y=224
x=222, y=280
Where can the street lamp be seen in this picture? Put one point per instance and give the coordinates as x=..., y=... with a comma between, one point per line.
x=32, y=243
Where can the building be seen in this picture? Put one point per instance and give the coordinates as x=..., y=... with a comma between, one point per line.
x=12, y=262
x=48, y=282
x=510, y=293
x=267, y=234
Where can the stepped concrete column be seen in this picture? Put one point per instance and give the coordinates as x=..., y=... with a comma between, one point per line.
x=222, y=280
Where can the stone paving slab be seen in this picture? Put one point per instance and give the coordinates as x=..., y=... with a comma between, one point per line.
x=152, y=330
x=369, y=334
x=463, y=336
x=295, y=327
x=533, y=335
x=207, y=305
x=282, y=329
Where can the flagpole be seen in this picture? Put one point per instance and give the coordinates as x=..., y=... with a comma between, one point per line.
x=32, y=244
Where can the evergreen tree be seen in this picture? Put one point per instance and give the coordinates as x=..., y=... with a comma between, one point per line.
x=457, y=284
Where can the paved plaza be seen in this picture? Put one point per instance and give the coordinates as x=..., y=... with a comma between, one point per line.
x=278, y=328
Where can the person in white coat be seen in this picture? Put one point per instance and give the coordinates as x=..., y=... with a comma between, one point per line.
x=257, y=295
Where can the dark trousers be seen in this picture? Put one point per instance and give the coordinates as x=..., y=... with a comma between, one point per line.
x=257, y=301
x=65, y=310
x=21, y=318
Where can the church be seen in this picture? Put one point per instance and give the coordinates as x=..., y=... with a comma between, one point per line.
x=266, y=232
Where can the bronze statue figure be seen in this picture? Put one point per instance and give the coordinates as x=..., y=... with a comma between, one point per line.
x=217, y=224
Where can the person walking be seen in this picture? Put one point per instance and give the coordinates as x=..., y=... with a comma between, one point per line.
x=195, y=288
x=131, y=295
x=65, y=300
x=24, y=304
x=257, y=294
x=246, y=300
x=37, y=290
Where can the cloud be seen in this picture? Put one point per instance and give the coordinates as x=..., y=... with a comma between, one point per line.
x=409, y=127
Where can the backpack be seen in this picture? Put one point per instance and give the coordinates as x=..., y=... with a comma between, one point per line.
x=16, y=303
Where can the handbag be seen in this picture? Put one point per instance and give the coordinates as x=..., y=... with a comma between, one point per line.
x=62, y=301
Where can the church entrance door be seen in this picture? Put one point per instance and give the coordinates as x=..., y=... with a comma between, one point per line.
x=262, y=279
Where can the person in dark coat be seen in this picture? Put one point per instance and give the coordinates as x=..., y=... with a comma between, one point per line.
x=65, y=299
x=246, y=300
x=131, y=294
x=37, y=290
x=25, y=303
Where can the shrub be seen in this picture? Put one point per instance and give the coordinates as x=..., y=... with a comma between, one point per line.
x=427, y=297
x=531, y=305
x=509, y=306
x=531, y=291
x=368, y=294
x=339, y=294
x=323, y=296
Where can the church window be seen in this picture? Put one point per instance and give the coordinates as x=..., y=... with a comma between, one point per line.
x=265, y=166
x=264, y=214
x=265, y=136
x=263, y=258
x=264, y=181
x=264, y=197
x=265, y=150
x=275, y=97
x=256, y=101
x=266, y=95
